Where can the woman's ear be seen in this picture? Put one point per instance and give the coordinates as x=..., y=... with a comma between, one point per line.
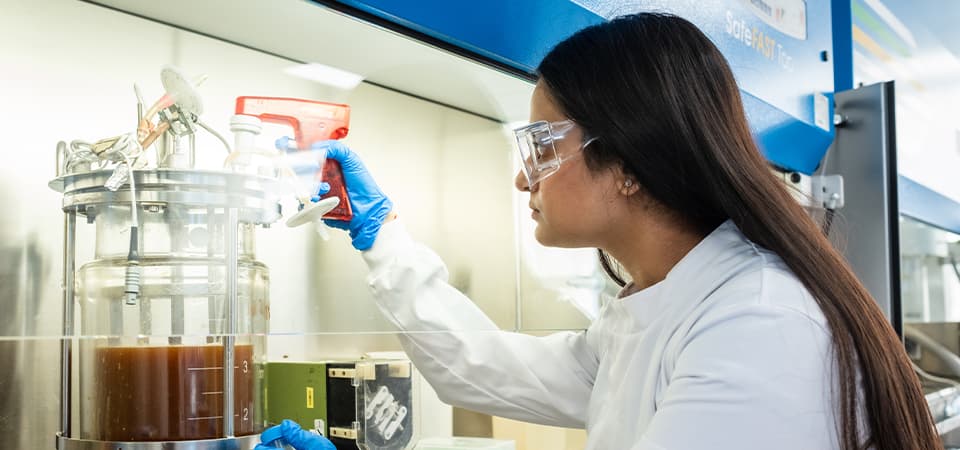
x=627, y=184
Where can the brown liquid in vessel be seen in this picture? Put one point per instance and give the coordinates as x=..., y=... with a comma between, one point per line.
x=169, y=393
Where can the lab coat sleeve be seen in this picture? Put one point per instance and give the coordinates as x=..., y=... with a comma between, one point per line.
x=464, y=356
x=749, y=378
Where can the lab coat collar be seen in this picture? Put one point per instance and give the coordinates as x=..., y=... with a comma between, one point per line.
x=699, y=272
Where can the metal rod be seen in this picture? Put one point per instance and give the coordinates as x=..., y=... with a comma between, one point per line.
x=192, y=155
x=144, y=308
x=116, y=324
x=177, y=312
x=230, y=314
x=66, y=343
x=179, y=241
x=213, y=313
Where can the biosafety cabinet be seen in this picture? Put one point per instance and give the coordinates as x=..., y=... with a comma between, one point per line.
x=900, y=223
x=901, y=238
x=154, y=291
x=166, y=282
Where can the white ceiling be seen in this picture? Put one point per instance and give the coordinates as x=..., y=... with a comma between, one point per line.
x=307, y=32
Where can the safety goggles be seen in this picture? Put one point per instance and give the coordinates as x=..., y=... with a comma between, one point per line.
x=536, y=143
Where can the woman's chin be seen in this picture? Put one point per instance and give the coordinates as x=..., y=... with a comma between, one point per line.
x=543, y=236
x=548, y=238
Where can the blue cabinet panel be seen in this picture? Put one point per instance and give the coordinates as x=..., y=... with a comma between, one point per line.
x=516, y=33
x=779, y=50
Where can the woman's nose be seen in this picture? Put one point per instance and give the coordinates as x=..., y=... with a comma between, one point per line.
x=520, y=182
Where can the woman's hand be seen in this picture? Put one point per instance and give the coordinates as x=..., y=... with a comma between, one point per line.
x=290, y=433
x=371, y=207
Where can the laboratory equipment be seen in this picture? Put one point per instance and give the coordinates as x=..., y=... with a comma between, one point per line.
x=297, y=391
x=173, y=303
x=312, y=122
x=249, y=158
x=370, y=405
x=363, y=404
x=370, y=205
x=366, y=404
x=903, y=253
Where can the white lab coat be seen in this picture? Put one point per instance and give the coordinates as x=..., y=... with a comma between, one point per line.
x=728, y=352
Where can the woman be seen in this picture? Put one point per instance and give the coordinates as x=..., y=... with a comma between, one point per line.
x=742, y=328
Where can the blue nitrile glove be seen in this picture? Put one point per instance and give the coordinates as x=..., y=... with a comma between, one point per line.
x=307, y=167
x=290, y=433
x=370, y=206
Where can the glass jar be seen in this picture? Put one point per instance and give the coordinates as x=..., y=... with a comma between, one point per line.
x=153, y=369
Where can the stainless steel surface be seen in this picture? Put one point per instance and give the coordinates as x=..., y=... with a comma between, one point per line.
x=232, y=315
x=237, y=443
x=30, y=326
x=256, y=197
x=172, y=154
x=944, y=402
x=864, y=153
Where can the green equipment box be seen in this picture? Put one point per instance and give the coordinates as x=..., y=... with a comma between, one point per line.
x=297, y=391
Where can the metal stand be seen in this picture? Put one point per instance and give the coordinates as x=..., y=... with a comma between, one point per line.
x=236, y=443
x=230, y=301
x=66, y=345
x=243, y=199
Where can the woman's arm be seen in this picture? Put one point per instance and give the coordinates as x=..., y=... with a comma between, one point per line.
x=468, y=360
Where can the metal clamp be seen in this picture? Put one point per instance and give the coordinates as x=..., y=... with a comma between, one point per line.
x=343, y=433
x=828, y=190
x=820, y=191
x=360, y=372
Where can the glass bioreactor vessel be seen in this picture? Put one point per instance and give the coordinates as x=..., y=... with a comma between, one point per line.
x=166, y=306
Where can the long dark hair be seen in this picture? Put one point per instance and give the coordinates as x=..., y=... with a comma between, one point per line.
x=666, y=107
